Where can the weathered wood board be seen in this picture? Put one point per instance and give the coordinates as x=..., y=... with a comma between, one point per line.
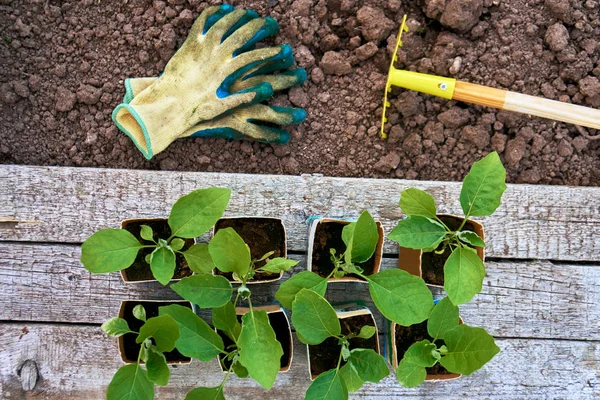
x=67, y=205
x=532, y=299
x=77, y=362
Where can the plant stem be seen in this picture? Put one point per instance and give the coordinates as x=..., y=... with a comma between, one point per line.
x=463, y=223
x=226, y=376
x=339, y=360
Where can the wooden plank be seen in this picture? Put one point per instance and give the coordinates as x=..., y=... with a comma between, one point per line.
x=57, y=204
x=77, y=362
x=533, y=299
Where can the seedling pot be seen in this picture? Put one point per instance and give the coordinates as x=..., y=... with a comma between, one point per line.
x=353, y=317
x=262, y=235
x=430, y=266
x=281, y=325
x=139, y=271
x=127, y=347
x=418, y=332
x=325, y=234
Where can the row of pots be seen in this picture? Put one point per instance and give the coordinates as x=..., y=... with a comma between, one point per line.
x=324, y=233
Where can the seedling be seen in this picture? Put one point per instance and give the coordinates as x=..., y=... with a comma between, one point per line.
x=459, y=348
x=480, y=196
x=399, y=296
x=315, y=320
x=110, y=250
x=255, y=350
x=156, y=336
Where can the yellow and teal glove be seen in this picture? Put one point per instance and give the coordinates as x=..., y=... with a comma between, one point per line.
x=196, y=85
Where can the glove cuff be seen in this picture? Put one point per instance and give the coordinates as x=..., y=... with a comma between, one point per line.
x=130, y=123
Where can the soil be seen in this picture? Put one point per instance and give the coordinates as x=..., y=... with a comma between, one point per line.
x=63, y=64
x=324, y=356
x=282, y=332
x=432, y=264
x=262, y=235
x=140, y=270
x=131, y=348
x=328, y=235
x=407, y=336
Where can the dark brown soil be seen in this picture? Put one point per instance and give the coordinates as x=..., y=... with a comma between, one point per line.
x=407, y=336
x=324, y=356
x=262, y=235
x=328, y=235
x=62, y=66
x=140, y=270
x=282, y=332
x=132, y=349
x=432, y=264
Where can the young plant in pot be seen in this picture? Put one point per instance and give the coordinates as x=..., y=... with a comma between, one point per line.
x=264, y=236
x=158, y=248
x=398, y=295
x=153, y=337
x=345, y=357
x=446, y=348
x=445, y=243
x=254, y=350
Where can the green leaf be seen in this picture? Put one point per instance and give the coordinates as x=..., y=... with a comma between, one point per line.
x=229, y=252
x=367, y=331
x=327, y=386
x=139, y=312
x=314, y=318
x=116, y=327
x=443, y=317
x=345, y=352
x=266, y=255
x=130, y=383
x=195, y=213
x=206, y=291
x=163, y=329
x=177, y=244
x=418, y=233
x=370, y=366
x=279, y=264
x=350, y=377
x=400, y=296
x=463, y=275
x=204, y=393
x=225, y=319
x=260, y=352
x=162, y=264
x=304, y=280
x=471, y=238
x=483, y=187
x=411, y=369
x=109, y=250
x=197, y=339
x=158, y=370
x=198, y=259
x=468, y=349
x=239, y=370
x=364, y=238
x=146, y=233
x=416, y=202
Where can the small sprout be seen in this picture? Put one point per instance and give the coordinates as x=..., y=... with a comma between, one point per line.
x=146, y=233
x=139, y=312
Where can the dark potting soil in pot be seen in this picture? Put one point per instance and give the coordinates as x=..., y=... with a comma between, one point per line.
x=130, y=347
x=262, y=235
x=140, y=270
x=328, y=235
x=432, y=264
x=324, y=356
x=408, y=335
x=282, y=332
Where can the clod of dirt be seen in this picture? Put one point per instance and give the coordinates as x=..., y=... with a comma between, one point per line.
x=375, y=25
x=88, y=94
x=304, y=57
x=21, y=89
x=461, y=15
x=65, y=99
x=366, y=51
x=557, y=37
x=515, y=151
x=454, y=117
x=560, y=9
x=588, y=86
x=388, y=163
x=334, y=63
x=477, y=136
x=298, y=97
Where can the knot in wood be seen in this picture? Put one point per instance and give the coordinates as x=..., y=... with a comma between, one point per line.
x=28, y=375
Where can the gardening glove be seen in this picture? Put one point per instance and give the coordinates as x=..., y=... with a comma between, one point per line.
x=196, y=84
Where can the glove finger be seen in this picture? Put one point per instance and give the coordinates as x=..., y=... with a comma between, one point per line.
x=270, y=66
x=253, y=95
x=281, y=81
x=231, y=127
x=207, y=19
x=215, y=33
x=134, y=86
x=246, y=37
x=249, y=16
x=259, y=114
